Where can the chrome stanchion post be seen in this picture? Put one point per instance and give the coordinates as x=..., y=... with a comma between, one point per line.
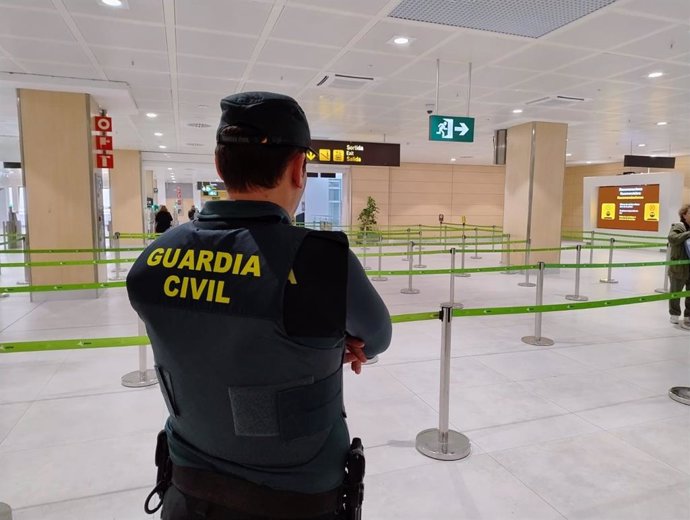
x=668, y=259
x=443, y=443
x=115, y=244
x=445, y=237
x=364, y=251
x=420, y=265
x=476, y=245
x=527, y=283
x=537, y=339
x=493, y=237
x=409, y=289
x=452, y=280
x=591, y=249
x=462, y=259
x=144, y=376
x=379, y=277
x=506, y=252
x=609, y=279
x=409, y=239
x=576, y=297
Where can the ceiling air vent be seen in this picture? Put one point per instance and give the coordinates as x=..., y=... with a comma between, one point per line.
x=199, y=125
x=556, y=101
x=344, y=81
x=194, y=144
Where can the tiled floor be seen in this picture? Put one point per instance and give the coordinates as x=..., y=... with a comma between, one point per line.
x=580, y=430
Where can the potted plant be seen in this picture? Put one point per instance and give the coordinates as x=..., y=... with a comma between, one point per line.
x=367, y=222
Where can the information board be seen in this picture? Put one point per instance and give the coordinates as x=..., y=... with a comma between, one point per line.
x=631, y=207
x=354, y=153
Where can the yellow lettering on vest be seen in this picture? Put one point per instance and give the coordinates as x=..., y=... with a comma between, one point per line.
x=198, y=286
x=169, y=261
x=187, y=260
x=155, y=257
x=238, y=263
x=167, y=289
x=209, y=293
x=204, y=261
x=223, y=262
x=185, y=286
x=291, y=277
x=219, y=293
x=252, y=267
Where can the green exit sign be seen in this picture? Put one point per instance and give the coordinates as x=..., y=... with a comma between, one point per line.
x=451, y=129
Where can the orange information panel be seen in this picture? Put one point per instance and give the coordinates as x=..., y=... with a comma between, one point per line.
x=634, y=207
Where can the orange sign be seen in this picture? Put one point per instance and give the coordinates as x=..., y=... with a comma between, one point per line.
x=102, y=124
x=632, y=207
x=104, y=160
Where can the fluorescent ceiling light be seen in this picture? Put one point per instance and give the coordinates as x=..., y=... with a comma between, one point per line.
x=162, y=146
x=453, y=159
x=568, y=155
x=158, y=134
x=589, y=162
x=151, y=114
x=661, y=123
x=517, y=111
x=169, y=169
x=641, y=145
x=655, y=74
x=401, y=40
x=112, y=3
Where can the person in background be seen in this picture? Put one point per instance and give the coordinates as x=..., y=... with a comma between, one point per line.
x=679, y=275
x=192, y=212
x=163, y=220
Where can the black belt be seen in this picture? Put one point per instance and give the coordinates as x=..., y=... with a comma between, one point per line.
x=248, y=497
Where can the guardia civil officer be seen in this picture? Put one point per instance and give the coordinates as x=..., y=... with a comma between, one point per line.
x=251, y=320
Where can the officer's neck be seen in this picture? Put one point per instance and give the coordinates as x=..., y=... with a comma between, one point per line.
x=277, y=196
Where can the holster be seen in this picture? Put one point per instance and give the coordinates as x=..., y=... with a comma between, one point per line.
x=163, y=474
x=353, y=484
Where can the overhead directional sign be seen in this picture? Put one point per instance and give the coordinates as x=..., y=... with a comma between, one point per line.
x=451, y=129
x=357, y=153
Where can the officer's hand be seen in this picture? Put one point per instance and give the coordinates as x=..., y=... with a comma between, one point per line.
x=354, y=354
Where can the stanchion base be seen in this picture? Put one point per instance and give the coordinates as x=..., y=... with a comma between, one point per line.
x=576, y=298
x=419, y=266
x=660, y=291
x=409, y=291
x=462, y=275
x=5, y=295
x=429, y=444
x=680, y=394
x=116, y=278
x=405, y=259
x=608, y=280
x=5, y=511
x=527, y=284
x=138, y=379
x=539, y=342
x=121, y=270
x=366, y=268
x=23, y=283
x=378, y=278
x=372, y=361
x=509, y=272
x=476, y=257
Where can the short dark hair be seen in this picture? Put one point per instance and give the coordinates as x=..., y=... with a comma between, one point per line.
x=245, y=166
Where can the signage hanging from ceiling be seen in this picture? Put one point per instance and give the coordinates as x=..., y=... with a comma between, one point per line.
x=354, y=153
x=451, y=129
x=102, y=130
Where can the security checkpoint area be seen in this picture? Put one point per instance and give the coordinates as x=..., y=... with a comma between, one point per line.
x=545, y=405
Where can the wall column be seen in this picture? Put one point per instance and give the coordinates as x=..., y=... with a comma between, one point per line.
x=535, y=169
x=62, y=187
x=126, y=199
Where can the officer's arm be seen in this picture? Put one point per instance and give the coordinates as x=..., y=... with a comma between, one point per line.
x=367, y=315
x=676, y=236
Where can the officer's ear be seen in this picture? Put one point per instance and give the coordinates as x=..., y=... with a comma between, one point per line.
x=298, y=169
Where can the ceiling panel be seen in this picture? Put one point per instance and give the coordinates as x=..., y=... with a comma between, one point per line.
x=122, y=34
x=422, y=38
x=672, y=9
x=238, y=16
x=668, y=44
x=45, y=4
x=493, y=76
x=270, y=87
x=50, y=68
x=542, y=56
x=33, y=24
x=479, y=47
x=210, y=67
x=212, y=45
x=425, y=70
x=137, y=10
x=598, y=89
x=7, y=65
x=603, y=65
x=511, y=97
x=351, y=6
x=308, y=25
x=550, y=83
x=139, y=78
x=604, y=30
x=193, y=82
x=196, y=97
x=126, y=58
x=403, y=87
x=43, y=50
x=296, y=54
x=290, y=77
x=369, y=64
x=672, y=72
x=146, y=93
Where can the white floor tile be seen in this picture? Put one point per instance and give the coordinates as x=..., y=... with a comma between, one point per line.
x=634, y=412
x=25, y=382
x=657, y=377
x=522, y=366
x=10, y=414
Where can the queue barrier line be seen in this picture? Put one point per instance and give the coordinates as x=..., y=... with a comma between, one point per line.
x=62, y=287
x=73, y=251
x=62, y=263
x=128, y=341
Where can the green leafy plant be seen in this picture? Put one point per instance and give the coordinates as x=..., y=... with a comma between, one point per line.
x=367, y=217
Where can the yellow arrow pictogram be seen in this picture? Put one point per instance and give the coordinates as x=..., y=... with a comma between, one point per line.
x=310, y=155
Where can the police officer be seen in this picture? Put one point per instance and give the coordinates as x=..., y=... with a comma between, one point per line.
x=251, y=321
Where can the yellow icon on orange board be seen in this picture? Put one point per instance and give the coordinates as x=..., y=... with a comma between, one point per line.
x=324, y=154
x=651, y=212
x=310, y=155
x=608, y=211
x=339, y=155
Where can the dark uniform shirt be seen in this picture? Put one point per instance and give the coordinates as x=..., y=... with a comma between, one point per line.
x=366, y=317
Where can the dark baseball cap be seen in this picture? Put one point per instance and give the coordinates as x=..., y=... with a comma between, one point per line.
x=269, y=118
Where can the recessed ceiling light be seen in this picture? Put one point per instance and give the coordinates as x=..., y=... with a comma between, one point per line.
x=641, y=145
x=568, y=155
x=453, y=159
x=661, y=123
x=655, y=74
x=158, y=134
x=112, y=3
x=517, y=111
x=151, y=114
x=169, y=169
x=589, y=162
x=162, y=146
x=401, y=40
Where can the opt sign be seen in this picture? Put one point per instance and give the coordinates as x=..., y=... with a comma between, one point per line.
x=103, y=127
x=103, y=124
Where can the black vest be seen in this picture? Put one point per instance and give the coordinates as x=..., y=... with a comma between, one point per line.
x=238, y=384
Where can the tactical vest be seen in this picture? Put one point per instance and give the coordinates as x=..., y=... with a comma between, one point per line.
x=236, y=385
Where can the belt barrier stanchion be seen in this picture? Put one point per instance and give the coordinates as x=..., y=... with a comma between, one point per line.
x=576, y=297
x=379, y=277
x=144, y=376
x=5, y=511
x=445, y=237
x=680, y=394
x=507, y=253
x=493, y=237
x=115, y=241
x=409, y=239
x=364, y=251
x=591, y=249
x=462, y=259
x=527, y=283
x=668, y=259
x=420, y=265
x=371, y=361
x=443, y=443
x=476, y=245
x=537, y=339
x=608, y=278
x=452, y=280
x=409, y=289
